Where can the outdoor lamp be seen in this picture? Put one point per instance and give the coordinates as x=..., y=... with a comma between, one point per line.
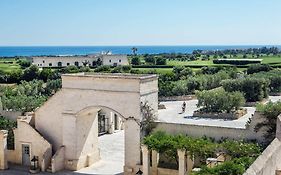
x=139, y=172
x=34, y=162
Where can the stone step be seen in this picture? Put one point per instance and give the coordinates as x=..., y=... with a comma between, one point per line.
x=49, y=169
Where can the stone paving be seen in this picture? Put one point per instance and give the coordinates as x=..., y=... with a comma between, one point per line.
x=111, y=163
x=172, y=114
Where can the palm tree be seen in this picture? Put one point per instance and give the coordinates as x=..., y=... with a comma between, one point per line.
x=134, y=50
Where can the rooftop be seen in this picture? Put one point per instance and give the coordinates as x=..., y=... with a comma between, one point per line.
x=112, y=75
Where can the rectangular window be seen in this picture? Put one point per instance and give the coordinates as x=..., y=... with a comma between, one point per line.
x=50, y=64
x=43, y=61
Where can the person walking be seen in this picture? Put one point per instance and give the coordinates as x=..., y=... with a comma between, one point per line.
x=183, y=107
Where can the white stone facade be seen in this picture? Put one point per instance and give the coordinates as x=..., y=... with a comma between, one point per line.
x=68, y=122
x=63, y=61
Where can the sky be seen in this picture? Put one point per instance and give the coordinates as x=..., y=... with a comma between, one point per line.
x=139, y=22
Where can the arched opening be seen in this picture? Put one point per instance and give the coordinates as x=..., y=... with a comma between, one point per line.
x=107, y=134
x=59, y=64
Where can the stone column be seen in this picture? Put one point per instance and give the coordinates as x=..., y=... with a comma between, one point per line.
x=155, y=160
x=189, y=162
x=118, y=122
x=145, y=160
x=3, y=150
x=111, y=123
x=132, y=147
x=278, y=128
x=182, y=162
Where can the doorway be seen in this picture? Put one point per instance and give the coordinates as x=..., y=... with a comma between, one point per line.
x=25, y=155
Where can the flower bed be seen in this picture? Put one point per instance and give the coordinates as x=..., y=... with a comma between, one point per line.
x=219, y=115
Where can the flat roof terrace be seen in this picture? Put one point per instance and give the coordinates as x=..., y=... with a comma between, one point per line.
x=112, y=75
x=172, y=114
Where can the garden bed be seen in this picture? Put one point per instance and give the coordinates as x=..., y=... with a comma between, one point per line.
x=213, y=115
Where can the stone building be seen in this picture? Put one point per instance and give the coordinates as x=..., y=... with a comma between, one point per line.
x=63, y=133
x=89, y=60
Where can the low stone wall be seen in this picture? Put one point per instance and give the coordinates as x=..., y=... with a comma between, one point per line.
x=228, y=116
x=11, y=115
x=268, y=162
x=215, y=132
x=177, y=98
x=58, y=160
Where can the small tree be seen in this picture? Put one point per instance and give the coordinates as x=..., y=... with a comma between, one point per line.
x=135, y=60
x=270, y=112
x=148, y=119
x=218, y=100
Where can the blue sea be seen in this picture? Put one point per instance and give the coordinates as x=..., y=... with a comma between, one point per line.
x=8, y=51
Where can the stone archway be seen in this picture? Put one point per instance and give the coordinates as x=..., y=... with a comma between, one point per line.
x=67, y=118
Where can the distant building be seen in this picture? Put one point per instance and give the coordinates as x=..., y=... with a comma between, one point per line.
x=90, y=60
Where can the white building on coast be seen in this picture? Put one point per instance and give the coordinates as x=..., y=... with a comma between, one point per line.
x=90, y=60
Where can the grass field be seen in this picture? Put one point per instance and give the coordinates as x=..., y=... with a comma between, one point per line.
x=7, y=65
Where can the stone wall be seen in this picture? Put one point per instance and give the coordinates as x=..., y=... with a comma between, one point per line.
x=11, y=115
x=270, y=161
x=26, y=134
x=215, y=132
x=58, y=160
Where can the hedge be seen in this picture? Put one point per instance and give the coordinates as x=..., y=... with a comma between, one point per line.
x=254, y=89
x=237, y=61
x=218, y=100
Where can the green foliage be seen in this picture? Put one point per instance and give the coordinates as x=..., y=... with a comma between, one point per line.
x=273, y=76
x=27, y=96
x=8, y=125
x=135, y=60
x=121, y=69
x=201, y=148
x=31, y=73
x=254, y=89
x=258, y=68
x=150, y=60
x=70, y=69
x=236, y=61
x=46, y=74
x=104, y=68
x=161, y=61
x=270, y=112
x=227, y=168
x=52, y=86
x=218, y=100
x=24, y=63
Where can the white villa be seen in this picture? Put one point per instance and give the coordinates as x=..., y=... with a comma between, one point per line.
x=89, y=60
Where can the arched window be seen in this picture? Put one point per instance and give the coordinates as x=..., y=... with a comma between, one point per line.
x=76, y=63
x=59, y=64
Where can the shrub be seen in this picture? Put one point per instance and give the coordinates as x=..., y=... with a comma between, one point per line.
x=161, y=61
x=236, y=61
x=254, y=89
x=218, y=100
x=258, y=68
x=8, y=125
x=24, y=63
x=135, y=60
x=104, y=68
x=270, y=112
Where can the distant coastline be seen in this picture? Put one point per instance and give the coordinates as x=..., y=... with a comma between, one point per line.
x=11, y=51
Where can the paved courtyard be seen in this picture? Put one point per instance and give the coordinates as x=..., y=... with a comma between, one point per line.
x=172, y=114
x=111, y=163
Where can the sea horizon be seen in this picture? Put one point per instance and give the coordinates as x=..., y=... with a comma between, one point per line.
x=12, y=51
